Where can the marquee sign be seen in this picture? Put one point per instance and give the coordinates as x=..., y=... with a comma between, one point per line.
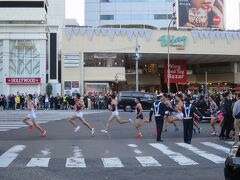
x=23, y=80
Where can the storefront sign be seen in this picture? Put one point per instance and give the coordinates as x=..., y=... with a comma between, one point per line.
x=178, y=72
x=23, y=45
x=23, y=80
x=174, y=41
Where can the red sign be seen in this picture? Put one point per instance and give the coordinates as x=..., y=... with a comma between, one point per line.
x=178, y=72
x=23, y=80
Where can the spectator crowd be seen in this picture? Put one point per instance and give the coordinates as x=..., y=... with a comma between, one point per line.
x=45, y=102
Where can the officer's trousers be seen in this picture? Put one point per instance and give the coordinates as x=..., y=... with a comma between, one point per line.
x=188, y=129
x=159, y=124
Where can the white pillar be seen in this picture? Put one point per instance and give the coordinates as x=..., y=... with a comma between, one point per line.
x=81, y=73
x=6, y=88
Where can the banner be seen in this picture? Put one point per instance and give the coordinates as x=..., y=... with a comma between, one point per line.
x=23, y=80
x=201, y=14
x=178, y=72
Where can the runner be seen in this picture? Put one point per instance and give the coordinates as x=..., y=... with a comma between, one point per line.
x=79, y=106
x=178, y=115
x=214, y=115
x=167, y=102
x=115, y=114
x=140, y=120
x=32, y=116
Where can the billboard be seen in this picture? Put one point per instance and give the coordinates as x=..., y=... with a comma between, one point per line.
x=178, y=72
x=201, y=14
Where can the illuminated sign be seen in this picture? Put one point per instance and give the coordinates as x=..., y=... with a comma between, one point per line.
x=23, y=80
x=174, y=41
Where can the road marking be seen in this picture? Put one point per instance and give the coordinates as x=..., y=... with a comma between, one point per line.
x=212, y=157
x=73, y=162
x=132, y=145
x=148, y=161
x=229, y=142
x=38, y=162
x=76, y=161
x=136, y=150
x=9, y=156
x=216, y=146
x=177, y=157
x=112, y=163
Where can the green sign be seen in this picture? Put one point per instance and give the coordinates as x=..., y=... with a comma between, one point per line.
x=173, y=41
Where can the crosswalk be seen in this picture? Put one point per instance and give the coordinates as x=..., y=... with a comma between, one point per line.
x=10, y=120
x=43, y=158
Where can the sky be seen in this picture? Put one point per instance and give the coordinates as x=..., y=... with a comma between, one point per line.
x=75, y=9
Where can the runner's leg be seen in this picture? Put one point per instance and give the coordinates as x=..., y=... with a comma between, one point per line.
x=73, y=120
x=37, y=125
x=120, y=121
x=85, y=123
x=25, y=121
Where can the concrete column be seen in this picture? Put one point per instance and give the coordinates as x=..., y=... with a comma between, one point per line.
x=6, y=59
x=43, y=64
x=236, y=73
x=82, y=73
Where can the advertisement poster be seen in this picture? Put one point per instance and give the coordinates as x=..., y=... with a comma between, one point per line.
x=178, y=72
x=201, y=14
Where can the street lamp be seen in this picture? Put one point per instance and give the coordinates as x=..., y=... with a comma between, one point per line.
x=137, y=58
x=173, y=20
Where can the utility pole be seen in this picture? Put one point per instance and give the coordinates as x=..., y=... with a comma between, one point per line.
x=173, y=20
x=137, y=58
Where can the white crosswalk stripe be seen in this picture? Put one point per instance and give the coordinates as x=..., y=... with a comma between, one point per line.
x=229, y=142
x=38, y=162
x=42, y=159
x=112, y=162
x=216, y=146
x=9, y=156
x=177, y=157
x=77, y=160
x=148, y=161
x=212, y=157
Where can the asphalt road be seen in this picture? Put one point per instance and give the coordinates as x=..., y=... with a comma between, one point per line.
x=64, y=155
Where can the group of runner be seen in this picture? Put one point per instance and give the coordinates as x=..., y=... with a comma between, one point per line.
x=173, y=114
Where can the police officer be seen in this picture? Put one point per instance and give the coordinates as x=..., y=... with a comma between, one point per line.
x=188, y=114
x=158, y=109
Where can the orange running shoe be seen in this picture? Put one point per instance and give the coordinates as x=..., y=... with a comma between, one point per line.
x=43, y=133
x=139, y=135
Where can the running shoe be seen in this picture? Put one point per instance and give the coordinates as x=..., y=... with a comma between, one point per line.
x=131, y=121
x=213, y=133
x=43, y=133
x=30, y=128
x=104, y=131
x=92, y=131
x=77, y=129
x=139, y=135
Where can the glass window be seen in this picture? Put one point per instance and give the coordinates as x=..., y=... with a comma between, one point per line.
x=107, y=17
x=1, y=62
x=160, y=16
x=103, y=60
x=24, y=58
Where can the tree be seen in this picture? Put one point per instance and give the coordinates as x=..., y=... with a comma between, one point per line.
x=49, y=89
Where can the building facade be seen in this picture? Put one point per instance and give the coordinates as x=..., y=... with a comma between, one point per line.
x=149, y=12
x=29, y=45
x=96, y=59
